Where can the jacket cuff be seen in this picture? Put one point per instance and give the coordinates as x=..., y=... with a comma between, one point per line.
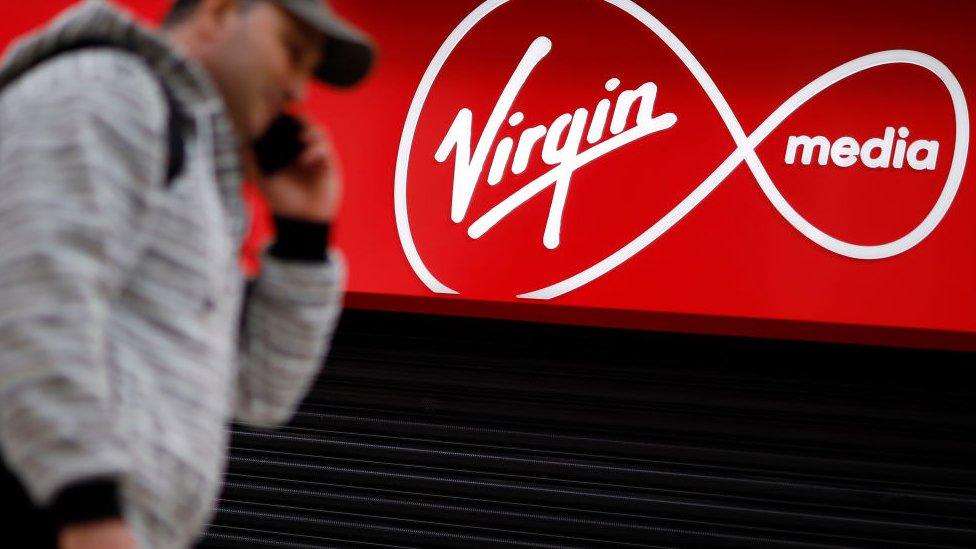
x=86, y=501
x=300, y=240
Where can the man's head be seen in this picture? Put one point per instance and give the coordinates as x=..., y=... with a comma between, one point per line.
x=261, y=54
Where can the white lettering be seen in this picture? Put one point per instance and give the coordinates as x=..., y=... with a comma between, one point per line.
x=900, y=148
x=561, y=142
x=502, y=153
x=625, y=103
x=564, y=157
x=883, y=147
x=468, y=166
x=599, y=122
x=808, y=144
x=877, y=152
x=527, y=142
x=931, y=149
x=844, y=152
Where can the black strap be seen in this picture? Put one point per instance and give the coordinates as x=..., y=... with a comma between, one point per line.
x=176, y=158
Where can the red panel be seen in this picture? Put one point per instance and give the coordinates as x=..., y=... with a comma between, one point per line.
x=739, y=262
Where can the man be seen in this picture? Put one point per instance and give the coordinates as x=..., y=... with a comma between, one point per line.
x=127, y=344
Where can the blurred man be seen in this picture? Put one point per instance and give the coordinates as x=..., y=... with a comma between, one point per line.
x=126, y=341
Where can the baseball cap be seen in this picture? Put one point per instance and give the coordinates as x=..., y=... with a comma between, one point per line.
x=349, y=54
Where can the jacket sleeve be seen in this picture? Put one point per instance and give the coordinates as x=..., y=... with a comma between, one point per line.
x=82, y=153
x=291, y=311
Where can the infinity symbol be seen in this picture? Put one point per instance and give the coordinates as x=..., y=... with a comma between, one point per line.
x=745, y=152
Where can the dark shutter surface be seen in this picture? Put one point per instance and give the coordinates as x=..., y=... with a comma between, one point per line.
x=443, y=432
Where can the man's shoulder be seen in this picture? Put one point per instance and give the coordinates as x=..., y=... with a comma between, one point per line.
x=103, y=101
x=102, y=77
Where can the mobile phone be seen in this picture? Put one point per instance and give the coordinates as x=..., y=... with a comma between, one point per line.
x=280, y=145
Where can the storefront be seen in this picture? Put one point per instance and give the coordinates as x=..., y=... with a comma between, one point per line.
x=657, y=274
x=438, y=432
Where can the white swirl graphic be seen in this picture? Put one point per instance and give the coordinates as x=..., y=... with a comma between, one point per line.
x=745, y=153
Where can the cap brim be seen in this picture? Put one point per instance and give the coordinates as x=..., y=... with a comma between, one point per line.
x=348, y=54
x=346, y=63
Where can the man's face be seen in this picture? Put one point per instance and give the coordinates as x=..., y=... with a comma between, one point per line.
x=262, y=60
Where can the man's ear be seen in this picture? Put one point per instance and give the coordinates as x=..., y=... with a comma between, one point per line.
x=214, y=17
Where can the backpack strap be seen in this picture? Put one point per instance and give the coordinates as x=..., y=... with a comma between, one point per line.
x=176, y=124
x=176, y=157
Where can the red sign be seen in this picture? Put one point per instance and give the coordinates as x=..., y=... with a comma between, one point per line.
x=759, y=168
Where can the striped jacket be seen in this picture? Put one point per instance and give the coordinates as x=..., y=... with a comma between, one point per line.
x=123, y=351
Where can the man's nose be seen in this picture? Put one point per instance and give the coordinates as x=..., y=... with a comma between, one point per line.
x=296, y=90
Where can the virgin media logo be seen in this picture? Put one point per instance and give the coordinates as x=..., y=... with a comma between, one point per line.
x=558, y=145
x=488, y=149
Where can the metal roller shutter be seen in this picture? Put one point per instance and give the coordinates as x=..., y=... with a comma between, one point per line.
x=444, y=432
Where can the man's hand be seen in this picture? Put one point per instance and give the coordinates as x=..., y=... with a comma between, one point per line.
x=102, y=534
x=309, y=189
